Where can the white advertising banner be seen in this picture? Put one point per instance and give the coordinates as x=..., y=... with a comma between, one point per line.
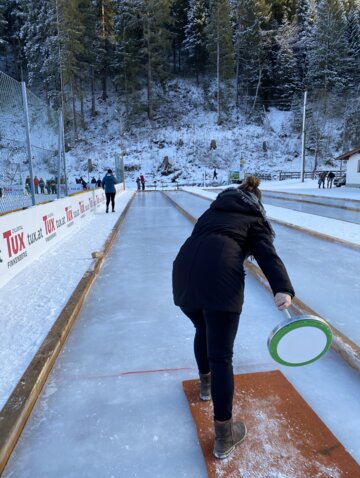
x=25, y=235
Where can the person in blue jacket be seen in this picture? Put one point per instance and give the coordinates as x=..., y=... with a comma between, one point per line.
x=108, y=184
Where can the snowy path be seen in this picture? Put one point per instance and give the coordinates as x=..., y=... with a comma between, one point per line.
x=107, y=405
x=325, y=275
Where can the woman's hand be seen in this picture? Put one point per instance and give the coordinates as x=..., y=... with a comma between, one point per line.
x=282, y=300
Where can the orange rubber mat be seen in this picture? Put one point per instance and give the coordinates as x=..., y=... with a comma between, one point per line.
x=285, y=438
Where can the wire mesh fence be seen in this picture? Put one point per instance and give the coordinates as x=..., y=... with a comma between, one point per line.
x=32, y=168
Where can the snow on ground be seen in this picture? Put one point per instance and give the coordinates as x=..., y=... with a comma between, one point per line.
x=31, y=302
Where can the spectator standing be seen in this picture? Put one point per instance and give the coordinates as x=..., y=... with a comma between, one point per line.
x=42, y=186
x=138, y=182
x=93, y=180
x=215, y=174
x=48, y=187
x=53, y=185
x=36, y=184
x=142, y=180
x=99, y=183
x=108, y=184
x=322, y=177
x=83, y=183
x=27, y=184
x=208, y=286
x=330, y=179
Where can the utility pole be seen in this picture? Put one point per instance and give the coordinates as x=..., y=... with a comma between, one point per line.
x=303, y=139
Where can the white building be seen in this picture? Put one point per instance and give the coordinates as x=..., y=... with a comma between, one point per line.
x=353, y=167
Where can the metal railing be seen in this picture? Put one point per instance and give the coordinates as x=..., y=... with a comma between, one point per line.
x=307, y=174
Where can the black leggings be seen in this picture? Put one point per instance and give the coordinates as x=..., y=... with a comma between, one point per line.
x=213, y=347
x=108, y=197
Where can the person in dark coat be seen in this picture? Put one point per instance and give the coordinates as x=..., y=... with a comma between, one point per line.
x=108, y=184
x=330, y=179
x=208, y=285
x=322, y=177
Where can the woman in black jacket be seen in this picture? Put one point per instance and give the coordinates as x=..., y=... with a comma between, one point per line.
x=208, y=285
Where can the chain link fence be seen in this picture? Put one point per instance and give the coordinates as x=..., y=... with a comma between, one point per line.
x=32, y=160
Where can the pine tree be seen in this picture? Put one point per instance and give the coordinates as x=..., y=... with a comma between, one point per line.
x=41, y=46
x=71, y=31
x=179, y=10
x=127, y=62
x=305, y=19
x=221, y=51
x=195, y=36
x=105, y=30
x=286, y=71
x=91, y=46
x=353, y=40
x=155, y=17
x=251, y=19
x=329, y=63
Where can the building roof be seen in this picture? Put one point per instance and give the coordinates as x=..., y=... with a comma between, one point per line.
x=347, y=155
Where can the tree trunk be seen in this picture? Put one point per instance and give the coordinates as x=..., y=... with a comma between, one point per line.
x=93, y=99
x=104, y=42
x=82, y=113
x=74, y=107
x=149, y=76
x=257, y=91
x=237, y=95
x=218, y=71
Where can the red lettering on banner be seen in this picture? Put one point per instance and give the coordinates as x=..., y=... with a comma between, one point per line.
x=82, y=208
x=15, y=243
x=49, y=224
x=69, y=214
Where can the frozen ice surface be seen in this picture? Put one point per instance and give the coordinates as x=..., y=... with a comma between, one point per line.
x=31, y=302
x=114, y=406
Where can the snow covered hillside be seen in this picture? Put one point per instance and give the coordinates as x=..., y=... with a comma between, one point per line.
x=182, y=132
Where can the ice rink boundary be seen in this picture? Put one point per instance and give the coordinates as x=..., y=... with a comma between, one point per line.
x=18, y=407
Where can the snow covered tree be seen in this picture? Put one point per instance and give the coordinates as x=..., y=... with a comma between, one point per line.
x=329, y=56
x=250, y=55
x=105, y=29
x=195, y=36
x=305, y=19
x=127, y=61
x=179, y=15
x=221, y=50
x=286, y=71
x=155, y=18
x=353, y=39
x=90, y=52
x=41, y=46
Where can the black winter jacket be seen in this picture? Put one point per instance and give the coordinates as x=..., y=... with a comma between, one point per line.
x=208, y=271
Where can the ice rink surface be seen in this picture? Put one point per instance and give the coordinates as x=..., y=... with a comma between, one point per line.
x=114, y=406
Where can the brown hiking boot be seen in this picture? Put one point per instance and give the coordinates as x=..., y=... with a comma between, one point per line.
x=227, y=436
x=205, y=386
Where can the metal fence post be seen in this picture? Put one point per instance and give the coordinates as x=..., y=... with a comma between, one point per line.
x=303, y=132
x=59, y=156
x=28, y=141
